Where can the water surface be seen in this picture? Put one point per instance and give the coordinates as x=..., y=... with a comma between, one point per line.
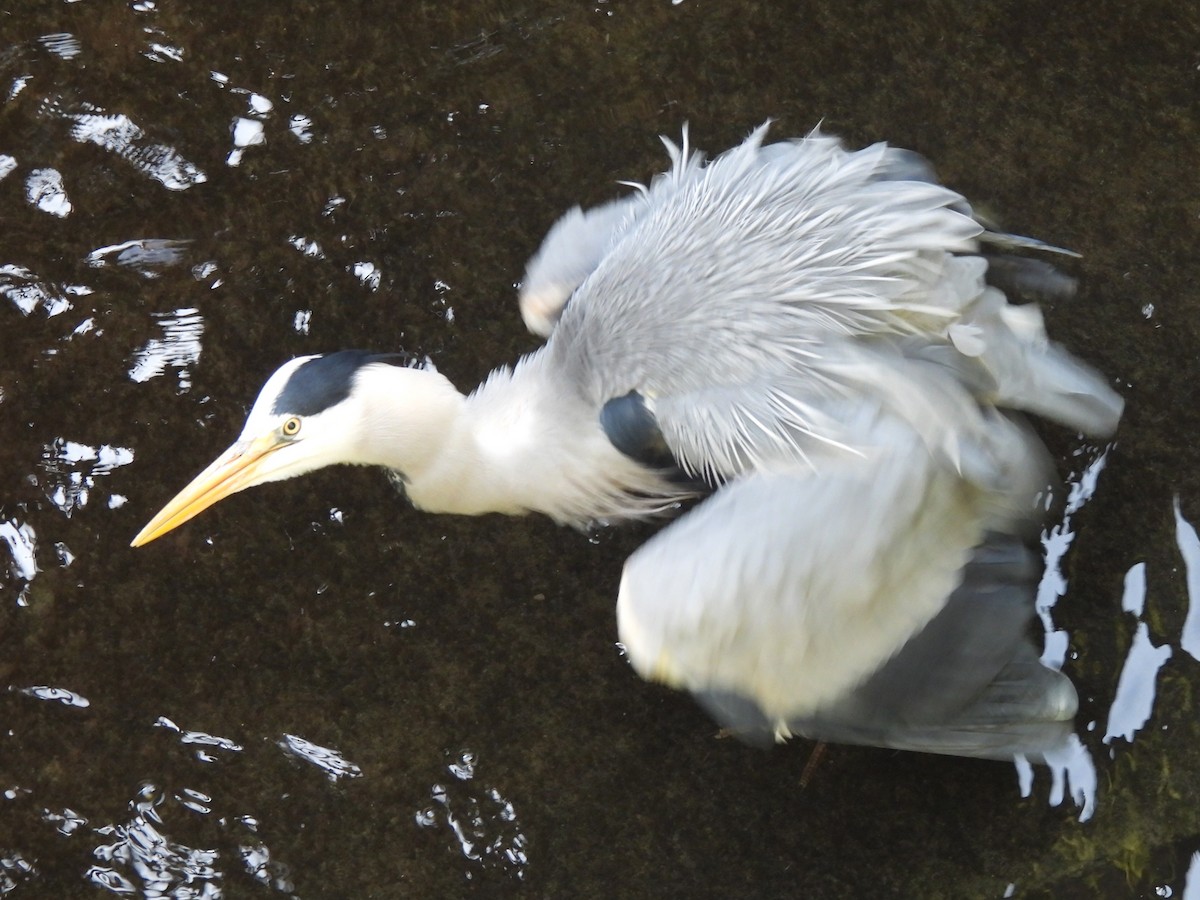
x=314, y=691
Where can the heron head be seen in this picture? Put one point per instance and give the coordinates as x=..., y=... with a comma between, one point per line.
x=314, y=411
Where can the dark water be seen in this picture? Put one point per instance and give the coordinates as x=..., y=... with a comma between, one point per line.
x=315, y=691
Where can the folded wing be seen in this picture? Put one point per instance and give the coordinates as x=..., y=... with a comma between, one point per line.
x=864, y=604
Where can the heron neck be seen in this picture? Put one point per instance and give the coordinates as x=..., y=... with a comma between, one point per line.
x=487, y=451
x=524, y=441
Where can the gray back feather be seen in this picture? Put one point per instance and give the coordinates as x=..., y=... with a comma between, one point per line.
x=804, y=274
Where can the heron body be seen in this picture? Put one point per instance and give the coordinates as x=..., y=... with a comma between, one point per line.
x=806, y=338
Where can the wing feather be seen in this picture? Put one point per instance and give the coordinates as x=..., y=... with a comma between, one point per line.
x=900, y=626
x=792, y=587
x=814, y=332
x=800, y=269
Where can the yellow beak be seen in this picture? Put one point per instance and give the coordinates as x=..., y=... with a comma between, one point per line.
x=236, y=469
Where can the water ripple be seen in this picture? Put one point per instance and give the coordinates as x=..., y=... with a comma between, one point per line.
x=204, y=742
x=28, y=292
x=164, y=868
x=56, y=695
x=1134, y=702
x=62, y=45
x=120, y=135
x=72, y=469
x=1191, y=885
x=178, y=348
x=328, y=760
x=22, y=544
x=14, y=869
x=146, y=256
x=1056, y=541
x=482, y=821
x=44, y=189
x=66, y=822
x=1189, y=549
x=246, y=133
x=1072, y=770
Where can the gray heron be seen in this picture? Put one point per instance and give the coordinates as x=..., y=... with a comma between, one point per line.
x=806, y=349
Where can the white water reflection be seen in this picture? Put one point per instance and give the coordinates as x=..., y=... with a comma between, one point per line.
x=146, y=256
x=63, y=45
x=44, y=189
x=246, y=133
x=66, y=822
x=1191, y=884
x=178, y=348
x=159, y=50
x=443, y=291
x=249, y=131
x=258, y=861
x=14, y=869
x=1133, y=597
x=306, y=246
x=120, y=135
x=300, y=125
x=328, y=760
x=142, y=859
x=163, y=52
x=22, y=544
x=1072, y=773
x=28, y=292
x=260, y=105
x=366, y=272
x=1189, y=549
x=1134, y=702
x=1055, y=543
x=19, y=84
x=72, y=469
x=204, y=742
x=483, y=822
x=1072, y=770
x=208, y=273
x=56, y=695
x=139, y=854
x=196, y=801
x=87, y=326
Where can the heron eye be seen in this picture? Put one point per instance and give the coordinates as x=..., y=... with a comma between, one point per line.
x=291, y=427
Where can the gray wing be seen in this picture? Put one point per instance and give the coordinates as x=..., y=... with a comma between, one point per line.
x=791, y=587
x=862, y=606
x=578, y=242
x=570, y=251
x=969, y=684
x=777, y=279
x=813, y=331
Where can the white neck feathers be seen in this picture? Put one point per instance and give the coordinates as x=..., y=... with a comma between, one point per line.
x=520, y=443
